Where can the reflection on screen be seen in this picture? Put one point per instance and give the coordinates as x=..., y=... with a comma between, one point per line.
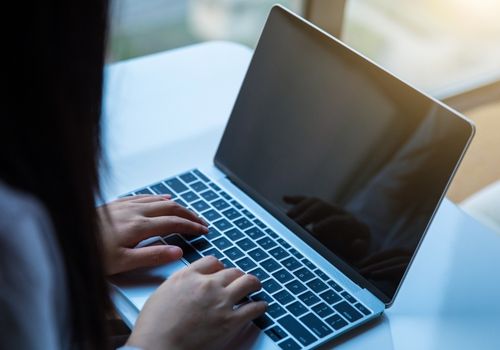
x=352, y=155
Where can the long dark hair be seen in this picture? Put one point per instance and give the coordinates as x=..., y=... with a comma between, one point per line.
x=50, y=144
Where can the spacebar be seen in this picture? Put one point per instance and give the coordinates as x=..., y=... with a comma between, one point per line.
x=297, y=330
x=189, y=254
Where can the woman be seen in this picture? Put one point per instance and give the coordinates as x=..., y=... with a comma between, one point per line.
x=55, y=247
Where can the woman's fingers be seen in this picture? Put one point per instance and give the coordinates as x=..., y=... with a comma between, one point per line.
x=207, y=265
x=241, y=287
x=165, y=225
x=150, y=256
x=227, y=276
x=147, y=198
x=165, y=208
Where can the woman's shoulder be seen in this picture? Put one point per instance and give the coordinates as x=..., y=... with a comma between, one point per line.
x=33, y=293
x=18, y=208
x=26, y=234
x=22, y=219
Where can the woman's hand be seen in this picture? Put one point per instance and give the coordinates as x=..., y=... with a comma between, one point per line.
x=195, y=309
x=127, y=221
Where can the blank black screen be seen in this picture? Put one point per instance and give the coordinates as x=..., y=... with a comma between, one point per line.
x=327, y=140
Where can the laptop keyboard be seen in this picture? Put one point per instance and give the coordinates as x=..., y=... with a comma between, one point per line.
x=304, y=304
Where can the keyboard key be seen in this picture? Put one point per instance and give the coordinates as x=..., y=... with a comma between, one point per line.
x=282, y=276
x=260, y=274
x=212, y=233
x=296, y=308
x=317, y=286
x=214, y=186
x=266, y=243
x=246, y=244
x=296, y=253
x=330, y=297
x=209, y=195
x=242, y=223
x=279, y=253
x=180, y=202
x=277, y=333
x=284, y=297
x=236, y=204
x=275, y=310
x=335, y=286
x=198, y=186
x=188, y=177
x=234, y=234
x=227, y=264
x=231, y=214
x=336, y=322
x=289, y=344
x=270, y=265
x=262, y=296
x=225, y=196
x=259, y=223
x=347, y=311
x=284, y=243
x=160, y=188
x=316, y=325
x=349, y=297
x=201, y=244
x=176, y=185
x=322, y=310
x=200, y=206
x=245, y=264
x=254, y=233
x=223, y=224
x=258, y=254
x=220, y=204
x=213, y=252
x=303, y=274
x=322, y=275
x=144, y=191
x=222, y=243
x=309, y=264
x=297, y=330
x=295, y=287
x=309, y=298
x=271, y=286
x=234, y=253
x=263, y=322
x=189, y=196
x=271, y=233
x=201, y=175
x=211, y=215
x=189, y=254
x=248, y=214
x=291, y=263
x=363, y=309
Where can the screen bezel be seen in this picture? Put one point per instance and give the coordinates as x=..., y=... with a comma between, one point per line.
x=302, y=233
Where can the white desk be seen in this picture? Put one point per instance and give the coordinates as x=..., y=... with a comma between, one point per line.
x=174, y=105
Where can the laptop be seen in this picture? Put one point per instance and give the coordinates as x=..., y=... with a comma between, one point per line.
x=327, y=176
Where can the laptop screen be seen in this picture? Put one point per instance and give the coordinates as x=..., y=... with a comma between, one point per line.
x=346, y=155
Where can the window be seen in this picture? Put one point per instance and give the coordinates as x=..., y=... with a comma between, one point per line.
x=440, y=46
x=140, y=27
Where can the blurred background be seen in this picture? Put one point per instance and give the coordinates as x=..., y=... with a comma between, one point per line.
x=448, y=48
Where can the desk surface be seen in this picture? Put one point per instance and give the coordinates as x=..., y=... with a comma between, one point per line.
x=165, y=113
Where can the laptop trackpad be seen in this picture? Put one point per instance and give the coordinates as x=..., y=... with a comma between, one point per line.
x=139, y=284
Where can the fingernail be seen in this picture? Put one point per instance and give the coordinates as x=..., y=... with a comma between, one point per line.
x=174, y=249
x=203, y=221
